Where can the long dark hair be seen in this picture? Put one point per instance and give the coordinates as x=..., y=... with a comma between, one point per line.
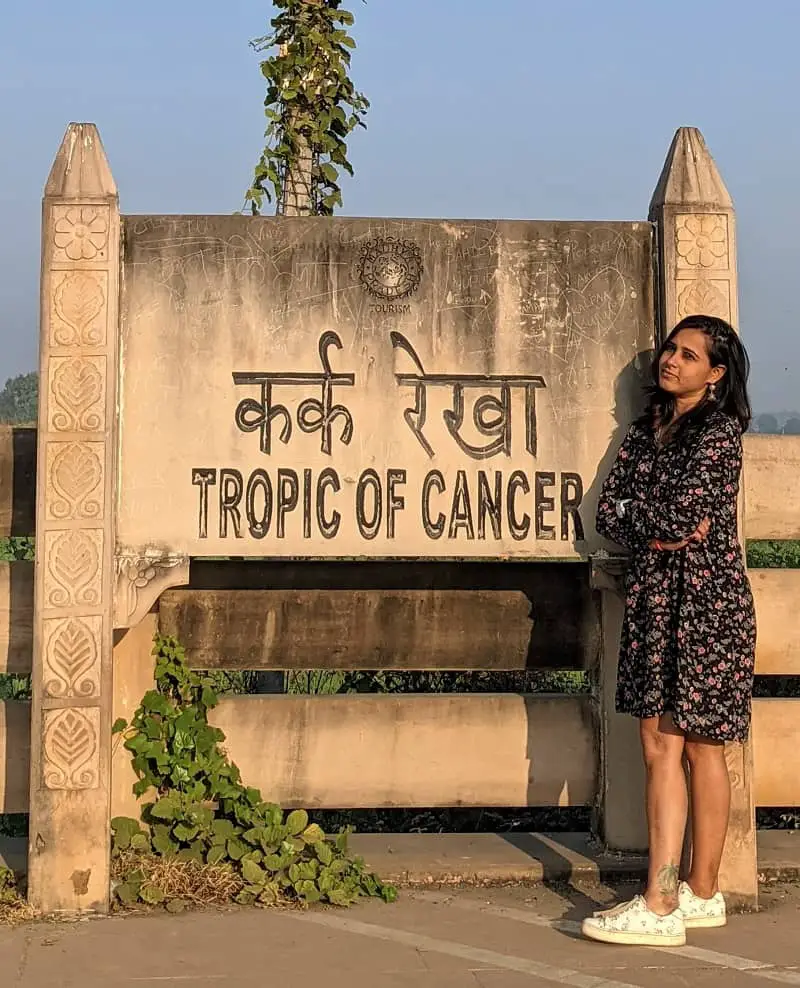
x=725, y=349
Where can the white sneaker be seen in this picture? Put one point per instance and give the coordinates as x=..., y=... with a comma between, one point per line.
x=633, y=923
x=701, y=913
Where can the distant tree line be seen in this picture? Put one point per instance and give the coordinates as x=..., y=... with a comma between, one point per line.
x=770, y=424
x=19, y=399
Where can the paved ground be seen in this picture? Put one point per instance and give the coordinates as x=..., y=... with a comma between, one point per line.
x=470, y=938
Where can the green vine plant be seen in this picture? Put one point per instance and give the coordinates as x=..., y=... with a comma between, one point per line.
x=312, y=107
x=206, y=836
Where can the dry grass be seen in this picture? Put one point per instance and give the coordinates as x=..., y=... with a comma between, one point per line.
x=189, y=882
x=16, y=913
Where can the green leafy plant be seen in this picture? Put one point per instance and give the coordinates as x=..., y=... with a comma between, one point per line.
x=9, y=894
x=773, y=555
x=203, y=818
x=312, y=107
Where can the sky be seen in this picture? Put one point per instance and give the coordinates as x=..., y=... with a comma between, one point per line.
x=502, y=109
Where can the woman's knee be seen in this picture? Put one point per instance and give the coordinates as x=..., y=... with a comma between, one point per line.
x=662, y=741
x=704, y=751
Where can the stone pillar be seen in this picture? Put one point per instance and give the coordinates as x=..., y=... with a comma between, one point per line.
x=134, y=675
x=694, y=216
x=72, y=674
x=620, y=819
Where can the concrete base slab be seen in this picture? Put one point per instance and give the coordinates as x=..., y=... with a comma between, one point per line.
x=485, y=859
x=430, y=859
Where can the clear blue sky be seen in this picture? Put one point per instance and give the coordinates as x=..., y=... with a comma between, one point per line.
x=508, y=108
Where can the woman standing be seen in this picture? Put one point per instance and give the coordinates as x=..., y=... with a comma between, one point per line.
x=688, y=640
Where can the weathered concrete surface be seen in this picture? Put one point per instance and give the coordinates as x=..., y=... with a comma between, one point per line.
x=75, y=511
x=16, y=617
x=15, y=756
x=776, y=752
x=772, y=493
x=480, y=750
x=620, y=803
x=414, y=750
x=350, y=629
x=133, y=677
x=562, y=607
x=375, y=388
x=777, y=598
x=499, y=938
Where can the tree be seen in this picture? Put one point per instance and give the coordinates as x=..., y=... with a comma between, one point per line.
x=768, y=424
x=19, y=399
x=792, y=427
x=312, y=108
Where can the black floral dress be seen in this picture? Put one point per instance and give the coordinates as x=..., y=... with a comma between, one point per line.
x=688, y=639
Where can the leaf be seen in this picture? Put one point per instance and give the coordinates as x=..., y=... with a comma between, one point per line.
x=224, y=828
x=270, y=893
x=152, y=895
x=119, y=725
x=123, y=828
x=140, y=842
x=236, y=849
x=165, y=809
x=254, y=835
x=215, y=854
x=183, y=741
x=308, y=891
x=128, y=893
x=273, y=862
x=339, y=897
x=389, y=893
x=324, y=853
x=296, y=822
x=252, y=874
x=176, y=905
x=164, y=845
x=185, y=831
x=313, y=834
x=155, y=703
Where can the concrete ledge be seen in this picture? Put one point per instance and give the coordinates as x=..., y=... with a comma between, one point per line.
x=485, y=859
x=433, y=859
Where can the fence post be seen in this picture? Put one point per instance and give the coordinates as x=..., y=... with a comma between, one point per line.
x=695, y=223
x=72, y=672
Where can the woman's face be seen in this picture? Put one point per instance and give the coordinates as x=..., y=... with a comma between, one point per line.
x=684, y=368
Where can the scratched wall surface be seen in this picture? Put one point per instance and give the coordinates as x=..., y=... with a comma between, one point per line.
x=375, y=388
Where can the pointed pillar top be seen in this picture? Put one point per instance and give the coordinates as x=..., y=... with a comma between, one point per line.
x=81, y=169
x=690, y=177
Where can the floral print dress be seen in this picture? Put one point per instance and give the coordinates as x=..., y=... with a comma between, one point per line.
x=688, y=639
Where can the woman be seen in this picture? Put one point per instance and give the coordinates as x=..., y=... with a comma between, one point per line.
x=688, y=639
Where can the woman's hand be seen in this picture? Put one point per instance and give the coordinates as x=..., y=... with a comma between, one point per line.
x=700, y=534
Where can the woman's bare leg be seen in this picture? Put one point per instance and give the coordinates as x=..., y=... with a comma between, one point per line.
x=711, y=803
x=667, y=799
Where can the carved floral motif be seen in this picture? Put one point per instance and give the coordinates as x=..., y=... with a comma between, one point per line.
x=139, y=581
x=704, y=297
x=81, y=232
x=79, y=309
x=77, y=394
x=71, y=751
x=702, y=240
x=76, y=475
x=72, y=572
x=72, y=658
